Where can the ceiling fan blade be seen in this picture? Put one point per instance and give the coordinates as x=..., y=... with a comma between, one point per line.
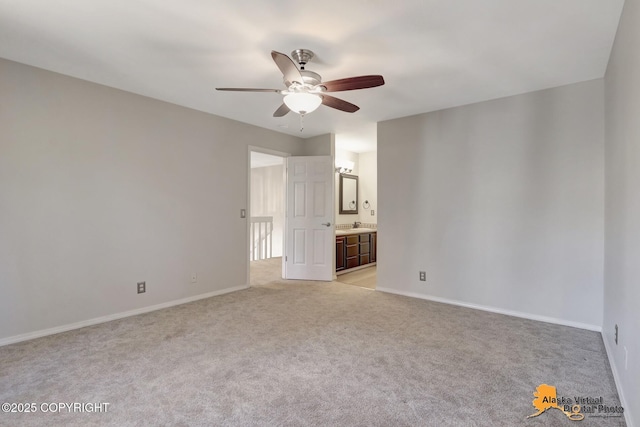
x=283, y=110
x=246, y=89
x=287, y=66
x=339, y=104
x=352, y=83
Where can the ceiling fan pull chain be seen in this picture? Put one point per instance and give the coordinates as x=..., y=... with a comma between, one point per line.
x=301, y=122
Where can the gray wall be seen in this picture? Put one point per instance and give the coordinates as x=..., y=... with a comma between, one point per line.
x=501, y=203
x=622, y=229
x=101, y=188
x=368, y=186
x=321, y=145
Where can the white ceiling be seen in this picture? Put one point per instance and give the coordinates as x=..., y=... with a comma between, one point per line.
x=433, y=54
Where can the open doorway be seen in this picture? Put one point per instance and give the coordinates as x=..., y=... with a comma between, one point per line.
x=266, y=215
x=357, y=229
x=306, y=235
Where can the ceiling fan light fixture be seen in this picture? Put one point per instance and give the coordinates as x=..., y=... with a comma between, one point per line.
x=302, y=102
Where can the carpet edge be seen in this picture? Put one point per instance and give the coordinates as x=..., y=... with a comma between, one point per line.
x=103, y=319
x=529, y=316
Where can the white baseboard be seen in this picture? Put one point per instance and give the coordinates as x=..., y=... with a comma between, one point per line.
x=616, y=379
x=523, y=315
x=351, y=270
x=110, y=317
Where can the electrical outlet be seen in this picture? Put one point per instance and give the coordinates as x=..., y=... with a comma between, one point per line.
x=616, y=336
x=373, y=212
x=423, y=276
x=194, y=277
x=142, y=287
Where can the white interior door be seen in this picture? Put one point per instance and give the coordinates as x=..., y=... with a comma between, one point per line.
x=309, y=230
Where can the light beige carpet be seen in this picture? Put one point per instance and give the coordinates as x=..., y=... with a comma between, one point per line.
x=305, y=353
x=265, y=271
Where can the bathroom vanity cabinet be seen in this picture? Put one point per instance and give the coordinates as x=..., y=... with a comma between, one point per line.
x=355, y=248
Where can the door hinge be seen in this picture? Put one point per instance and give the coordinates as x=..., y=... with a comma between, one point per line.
x=286, y=259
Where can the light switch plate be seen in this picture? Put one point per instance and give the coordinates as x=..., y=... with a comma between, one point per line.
x=243, y=213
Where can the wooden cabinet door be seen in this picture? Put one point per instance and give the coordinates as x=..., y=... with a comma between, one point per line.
x=340, y=253
x=364, y=249
x=373, y=247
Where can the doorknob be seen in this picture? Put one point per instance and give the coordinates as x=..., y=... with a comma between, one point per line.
x=328, y=224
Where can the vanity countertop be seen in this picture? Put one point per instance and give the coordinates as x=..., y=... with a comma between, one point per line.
x=355, y=231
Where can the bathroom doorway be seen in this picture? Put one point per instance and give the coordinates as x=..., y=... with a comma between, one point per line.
x=266, y=215
x=356, y=151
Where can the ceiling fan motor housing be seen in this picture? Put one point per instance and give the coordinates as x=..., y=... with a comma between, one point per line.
x=302, y=56
x=309, y=80
x=310, y=77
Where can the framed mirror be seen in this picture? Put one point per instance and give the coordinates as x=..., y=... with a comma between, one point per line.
x=348, y=194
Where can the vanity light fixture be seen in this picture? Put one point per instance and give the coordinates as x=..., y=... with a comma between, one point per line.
x=344, y=166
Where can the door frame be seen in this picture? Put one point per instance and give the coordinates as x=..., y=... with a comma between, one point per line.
x=250, y=149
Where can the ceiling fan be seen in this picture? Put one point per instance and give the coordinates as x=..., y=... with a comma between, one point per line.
x=305, y=90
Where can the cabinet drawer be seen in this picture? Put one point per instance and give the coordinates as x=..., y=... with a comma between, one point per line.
x=364, y=248
x=364, y=259
x=352, y=262
x=352, y=250
x=364, y=238
x=352, y=240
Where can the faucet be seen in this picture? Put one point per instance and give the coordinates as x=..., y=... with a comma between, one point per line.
x=356, y=224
